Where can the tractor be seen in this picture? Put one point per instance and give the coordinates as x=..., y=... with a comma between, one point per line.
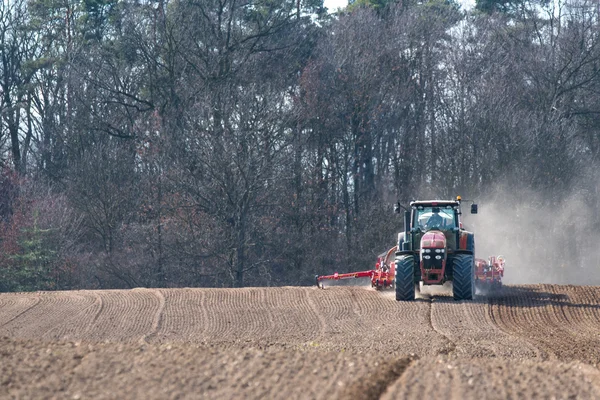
x=435, y=248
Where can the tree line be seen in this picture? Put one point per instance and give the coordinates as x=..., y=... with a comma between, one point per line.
x=233, y=143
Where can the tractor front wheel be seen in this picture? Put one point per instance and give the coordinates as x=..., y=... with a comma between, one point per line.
x=405, y=278
x=463, y=284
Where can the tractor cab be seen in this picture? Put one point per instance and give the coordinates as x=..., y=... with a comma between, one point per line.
x=433, y=217
x=427, y=216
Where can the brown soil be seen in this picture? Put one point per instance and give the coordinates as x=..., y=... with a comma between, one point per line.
x=535, y=341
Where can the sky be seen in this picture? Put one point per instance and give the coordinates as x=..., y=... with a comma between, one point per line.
x=333, y=5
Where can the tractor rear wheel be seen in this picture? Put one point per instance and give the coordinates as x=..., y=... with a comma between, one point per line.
x=405, y=278
x=463, y=281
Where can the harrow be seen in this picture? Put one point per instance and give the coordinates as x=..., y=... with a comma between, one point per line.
x=382, y=277
x=489, y=273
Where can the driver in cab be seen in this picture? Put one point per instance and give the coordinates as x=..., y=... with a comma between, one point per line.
x=435, y=221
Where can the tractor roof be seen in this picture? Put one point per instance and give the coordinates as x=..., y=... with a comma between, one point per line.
x=438, y=203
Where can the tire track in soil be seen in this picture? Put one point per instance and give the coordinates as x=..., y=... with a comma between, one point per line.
x=156, y=321
x=494, y=378
x=295, y=318
x=376, y=383
x=53, y=316
x=318, y=315
x=472, y=333
x=85, y=320
x=510, y=354
x=69, y=328
x=185, y=316
x=76, y=325
x=404, y=365
x=469, y=333
x=125, y=315
x=366, y=320
x=450, y=344
x=336, y=313
x=16, y=305
x=258, y=341
x=100, y=307
x=8, y=307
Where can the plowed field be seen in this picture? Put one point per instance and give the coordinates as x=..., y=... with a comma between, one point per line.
x=535, y=341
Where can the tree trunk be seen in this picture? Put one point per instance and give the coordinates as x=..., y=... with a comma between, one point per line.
x=240, y=250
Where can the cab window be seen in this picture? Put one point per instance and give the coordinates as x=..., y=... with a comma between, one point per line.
x=442, y=218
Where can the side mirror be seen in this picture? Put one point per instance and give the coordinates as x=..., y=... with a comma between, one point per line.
x=473, y=208
x=397, y=208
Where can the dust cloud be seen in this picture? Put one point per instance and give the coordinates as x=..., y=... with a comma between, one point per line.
x=360, y=282
x=426, y=291
x=541, y=242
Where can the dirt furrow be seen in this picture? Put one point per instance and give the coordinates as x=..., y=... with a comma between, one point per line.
x=536, y=341
x=434, y=323
x=473, y=334
x=53, y=315
x=185, y=316
x=336, y=307
x=93, y=316
x=582, y=309
x=512, y=315
x=231, y=316
x=158, y=317
x=494, y=378
x=83, y=306
x=126, y=315
x=15, y=305
x=32, y=369
x=247, y=316
x=554, y=322
x=295, y=317
x=254, y=315
x=318, y=315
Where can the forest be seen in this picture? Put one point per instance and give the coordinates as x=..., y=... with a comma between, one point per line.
x=230, y=143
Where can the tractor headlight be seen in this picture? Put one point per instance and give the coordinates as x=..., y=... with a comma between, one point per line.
x=426, y=250
x=426, y=257
x=439, y=250
x=438, y=257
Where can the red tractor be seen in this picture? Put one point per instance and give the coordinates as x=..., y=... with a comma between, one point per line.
x=434, y=249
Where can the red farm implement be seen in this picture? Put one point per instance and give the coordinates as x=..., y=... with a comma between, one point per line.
x=489, y=273
x=382, y=277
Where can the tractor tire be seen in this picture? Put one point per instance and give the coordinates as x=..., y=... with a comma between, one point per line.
x=463, y=284
x=405, y=278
